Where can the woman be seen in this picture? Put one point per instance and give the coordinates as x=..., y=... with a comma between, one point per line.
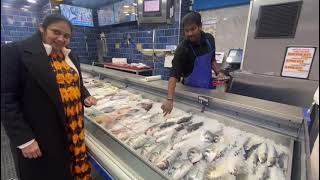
x=42, y=104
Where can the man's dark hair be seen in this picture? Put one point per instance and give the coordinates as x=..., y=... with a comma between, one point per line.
x=54, y=18
x=192, y=18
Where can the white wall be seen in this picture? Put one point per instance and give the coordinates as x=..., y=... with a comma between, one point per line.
x=230, y=27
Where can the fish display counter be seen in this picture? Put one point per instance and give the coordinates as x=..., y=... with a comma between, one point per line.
x=208, y=135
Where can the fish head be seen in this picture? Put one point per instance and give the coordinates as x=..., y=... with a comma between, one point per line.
x=208, y=154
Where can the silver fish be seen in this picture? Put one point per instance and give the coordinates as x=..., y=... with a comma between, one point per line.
x=272, y=155
x=236, y=164
x=137, y=141
x=166, y=124
x=194, y=127
x=215, y=171
x=187, y=134
x=185, y=119
x=252, y=162
x=108, y=109
x=283, y=161
x=157, y=152
x=115, y=98
x=180, y=119
x=195, y=173
x=252, y=143
x=276, y=173
x=194, y=155
x=167, y=158
x=263, y=153
x=178, y=145
x=210, y=137
x=175, y=136
x=157, y=118
x=150, y=130
x=168, y=130
x=214, y=152
x=262, y=172
x=148, y=148
x=146, y=106
x=164, y=137
x=179, y=169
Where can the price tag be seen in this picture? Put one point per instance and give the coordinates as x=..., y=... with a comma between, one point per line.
x=203, y=100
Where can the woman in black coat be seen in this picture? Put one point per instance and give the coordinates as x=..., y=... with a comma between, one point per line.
x=42, y=98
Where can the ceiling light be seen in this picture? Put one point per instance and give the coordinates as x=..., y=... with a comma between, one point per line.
x=6, y=6
x=134, y=4
x=125, y=6
x=24, y=9
x=127, y=14
x=32, y=1
x=25, y=6
x=57, y=7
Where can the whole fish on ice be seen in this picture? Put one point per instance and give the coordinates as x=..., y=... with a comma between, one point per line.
x=147, y=148
x=272, y=155
x=179, y=169
x=263, y=153
x=215, y=151
x=167, y=158
x=194, y=155
x=157, y=152
x=137, y=141
x=210, y=137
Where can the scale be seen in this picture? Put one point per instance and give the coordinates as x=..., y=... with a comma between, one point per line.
x=233, y=61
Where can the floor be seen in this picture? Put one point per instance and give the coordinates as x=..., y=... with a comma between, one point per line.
x=8, y=171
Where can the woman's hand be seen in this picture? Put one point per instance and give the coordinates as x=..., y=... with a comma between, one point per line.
x=89, y=101
x=32, y=151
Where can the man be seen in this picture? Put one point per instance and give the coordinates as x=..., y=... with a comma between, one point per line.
x=194, y=59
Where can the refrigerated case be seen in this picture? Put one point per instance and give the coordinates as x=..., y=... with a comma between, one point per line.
x=283, y=124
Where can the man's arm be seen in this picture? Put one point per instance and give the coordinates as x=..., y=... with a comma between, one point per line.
x=215, y=67
x=171, y=87
x=167, y=106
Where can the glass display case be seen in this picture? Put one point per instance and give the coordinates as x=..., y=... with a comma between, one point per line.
x=128, y=135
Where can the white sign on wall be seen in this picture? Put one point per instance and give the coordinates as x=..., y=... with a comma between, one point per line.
x=298, y=61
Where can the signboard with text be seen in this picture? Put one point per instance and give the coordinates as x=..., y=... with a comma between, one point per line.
x=298, y=61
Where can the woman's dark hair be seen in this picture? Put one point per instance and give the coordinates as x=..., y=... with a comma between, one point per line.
x=54, y=18
x=192, y=18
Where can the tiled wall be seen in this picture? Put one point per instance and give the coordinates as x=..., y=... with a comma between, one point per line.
x=17, y=24
x=78, y=43
x=164, y=35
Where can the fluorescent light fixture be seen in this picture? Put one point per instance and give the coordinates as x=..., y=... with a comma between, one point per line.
x=134, y=4
x=126, y=6
x=127, y=14
x=24, y=9
x=57, y=7
x=6, y=6
x=32, y=1
x=25, y=6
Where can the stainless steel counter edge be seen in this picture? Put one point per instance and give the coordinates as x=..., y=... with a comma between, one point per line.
x=291, y=113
